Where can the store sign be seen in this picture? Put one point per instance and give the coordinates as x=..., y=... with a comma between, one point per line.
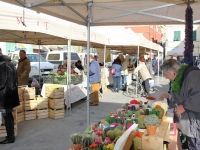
x=20, y=47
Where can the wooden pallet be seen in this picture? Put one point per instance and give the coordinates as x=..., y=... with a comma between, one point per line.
x=56, y=113
x=56, y=103
x=20, y=117
x=30, y=105
x=30, y=115
x=42, y=113
x=20, y=108
x=29, y=93
x=42, y=102
x=21, y=92
x=54, y=92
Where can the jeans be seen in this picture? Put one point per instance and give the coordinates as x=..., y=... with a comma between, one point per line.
x=123, y=81
x=116, y=80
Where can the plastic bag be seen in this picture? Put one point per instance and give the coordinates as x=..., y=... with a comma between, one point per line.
x=152, y=83
x=35, y=83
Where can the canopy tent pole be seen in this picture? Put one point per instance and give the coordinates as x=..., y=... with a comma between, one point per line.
x=69, y=75
x=89, y=6
x=137, y=77
x=158, y=68
x=104, y=55
x=39, y=43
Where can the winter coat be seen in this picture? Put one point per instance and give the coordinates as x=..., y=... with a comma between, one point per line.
x=95, y=72
x=142, y=68
x=189, y=120
x=125, y=64
x=23, y=71
x=8, y=84
x=150, y=68
x=118, y=67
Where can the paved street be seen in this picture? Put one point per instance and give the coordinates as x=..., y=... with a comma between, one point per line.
x=49, y=134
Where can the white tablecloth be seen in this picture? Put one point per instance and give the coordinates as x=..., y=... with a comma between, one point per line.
x=77, y=92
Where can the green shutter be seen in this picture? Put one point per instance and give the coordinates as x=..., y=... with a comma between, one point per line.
x=177, y=35
x=195, y=35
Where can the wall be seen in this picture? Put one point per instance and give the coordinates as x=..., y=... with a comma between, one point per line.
x=3, y=47
x=170, y=44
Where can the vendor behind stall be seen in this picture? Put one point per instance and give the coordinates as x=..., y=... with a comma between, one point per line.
x=79, y=65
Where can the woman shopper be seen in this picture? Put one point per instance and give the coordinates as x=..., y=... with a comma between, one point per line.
x=117, y=66
x=142, y=69
x=185, y=93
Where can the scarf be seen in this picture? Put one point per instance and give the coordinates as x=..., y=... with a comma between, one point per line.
x=176, y=85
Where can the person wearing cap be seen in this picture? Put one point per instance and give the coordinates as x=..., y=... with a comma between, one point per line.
x=78, y=65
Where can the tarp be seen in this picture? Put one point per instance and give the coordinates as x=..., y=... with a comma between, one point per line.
x=179, y=51
x=115, y=12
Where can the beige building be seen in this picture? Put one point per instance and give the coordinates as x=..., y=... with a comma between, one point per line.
x=175, y=38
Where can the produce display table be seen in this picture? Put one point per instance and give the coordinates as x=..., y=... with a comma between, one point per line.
x=77, y=92
x=162, y=134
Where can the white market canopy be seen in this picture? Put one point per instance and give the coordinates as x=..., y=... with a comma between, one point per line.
x=115, y=12
x=179, y=51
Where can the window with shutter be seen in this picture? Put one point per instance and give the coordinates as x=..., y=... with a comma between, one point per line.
x=195, y=35
x=177, y=35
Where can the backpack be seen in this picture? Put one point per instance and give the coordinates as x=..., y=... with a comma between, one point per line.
x=113, y=71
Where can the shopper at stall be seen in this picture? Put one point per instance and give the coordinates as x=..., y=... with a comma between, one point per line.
x=142, y=69
x=94, y=79
x=117, y=67
x=61, y=70
x=185, y=95
x=79, y=65
x=124, y=73
x=96, y=58
x=8, y=96
x=23, y=69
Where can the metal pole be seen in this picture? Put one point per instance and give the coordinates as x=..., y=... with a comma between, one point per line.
x=89, y=5
x=104, y=56
x=137, y=78
x=158, y=68
x=39, y=42
x=162, y=63
x=69, y=74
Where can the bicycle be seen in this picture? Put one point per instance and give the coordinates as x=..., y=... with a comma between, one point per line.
x=131, y=88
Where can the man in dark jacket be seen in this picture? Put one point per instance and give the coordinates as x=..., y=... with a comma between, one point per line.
x=95, y=78
x=8, y=95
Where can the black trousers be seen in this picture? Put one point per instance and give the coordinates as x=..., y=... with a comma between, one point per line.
x=9, y=124
x=146, y=87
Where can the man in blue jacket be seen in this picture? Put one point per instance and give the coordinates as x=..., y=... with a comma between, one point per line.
x=95, y=78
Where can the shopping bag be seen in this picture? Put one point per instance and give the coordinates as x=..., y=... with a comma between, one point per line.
x=35, y=83
x=113, y=71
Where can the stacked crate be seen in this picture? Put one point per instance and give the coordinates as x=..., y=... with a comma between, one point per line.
x=30, y=104
x=3, y=132
x=56, y=102
x=20, y=108
x=42, y=107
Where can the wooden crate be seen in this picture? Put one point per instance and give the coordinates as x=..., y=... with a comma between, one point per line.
x=42, y=113
x=21, y=92
x=20, y=117
x=3, y=132
x=29, y=93
x=42, y=102
x=56, y=113
x=54, y=92
x=30, y=105
x=30, y=115
x=56, y=103
x=162, y=134
x=20, y=108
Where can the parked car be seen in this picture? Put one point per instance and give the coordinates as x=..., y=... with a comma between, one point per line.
x=37, y=61
x=58, y=57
